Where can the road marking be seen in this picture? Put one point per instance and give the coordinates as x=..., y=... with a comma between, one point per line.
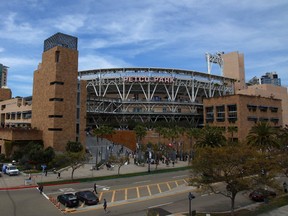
x=138, y=194
x=180, y=176
x=149, y=191
x=113, y=196
x=176, y=182
x=159, y=188
x=160, y=205
x=168, y=186
x=100, y=195
x=66, y=189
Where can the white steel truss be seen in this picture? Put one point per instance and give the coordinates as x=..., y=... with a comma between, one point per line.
x=150, y=94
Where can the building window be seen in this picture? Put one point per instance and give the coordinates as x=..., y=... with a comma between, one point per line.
x=274, y=120
x=55, y=116
x=54, y=129
x=263, y=108
x=251, y=107
x=232, y=112
x=56, y=99
x=220, y=113
x=57, y=56
x=263, y=119
x=252, y=118
x=56, y=83
x=274, y=109
x=209, y=114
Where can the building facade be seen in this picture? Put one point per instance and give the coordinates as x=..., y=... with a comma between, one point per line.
x=118, y=96
x=237, y=114
x=3, y=75
x=57, y=94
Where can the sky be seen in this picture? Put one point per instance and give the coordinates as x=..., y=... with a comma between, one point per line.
x=147, y=33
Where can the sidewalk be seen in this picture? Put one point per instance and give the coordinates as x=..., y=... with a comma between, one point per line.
x=85, y=171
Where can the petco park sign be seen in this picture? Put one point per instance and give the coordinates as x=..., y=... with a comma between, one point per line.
x=146, y=79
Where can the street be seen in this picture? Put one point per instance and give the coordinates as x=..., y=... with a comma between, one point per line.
x=125, y=196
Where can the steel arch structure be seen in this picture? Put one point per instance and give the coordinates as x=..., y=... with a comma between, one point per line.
x=150, y=94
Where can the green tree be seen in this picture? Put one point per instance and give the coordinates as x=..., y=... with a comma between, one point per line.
x=233, y=166
x=263, y=136
x=118, y=161
x=141, y=132
x=74, y=147
x=210, y=137
x=192, y=133
x=71, y=158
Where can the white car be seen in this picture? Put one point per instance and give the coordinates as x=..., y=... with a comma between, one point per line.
x=11, y=170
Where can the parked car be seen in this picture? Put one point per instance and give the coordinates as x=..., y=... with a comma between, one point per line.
x=261, y=194
x=88, y=197
x=68, y=200
x=10, y=169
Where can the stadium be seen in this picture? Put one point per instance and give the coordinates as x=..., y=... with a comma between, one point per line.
x=123, y=96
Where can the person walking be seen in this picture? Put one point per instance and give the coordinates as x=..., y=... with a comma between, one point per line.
x=40, y=189
x=95, y=188
x=105, y=205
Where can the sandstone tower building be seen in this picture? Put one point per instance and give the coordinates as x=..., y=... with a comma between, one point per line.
x=58, y=96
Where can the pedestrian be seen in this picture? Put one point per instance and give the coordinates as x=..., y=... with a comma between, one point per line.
x=59, y=175
x=285, y=187
x=105, y=205
x=95, y=188
x=40, y=189
x=46, y=172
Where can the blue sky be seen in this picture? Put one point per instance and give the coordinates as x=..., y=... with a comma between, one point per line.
x=147, y=33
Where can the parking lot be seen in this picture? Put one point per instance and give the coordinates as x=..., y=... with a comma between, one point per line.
x=114, y=196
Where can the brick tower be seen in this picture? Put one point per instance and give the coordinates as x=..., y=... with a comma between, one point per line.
x=58, y=104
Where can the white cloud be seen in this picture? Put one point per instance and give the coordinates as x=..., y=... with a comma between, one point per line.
x=69, y=23
x=99, y=61
x=14, y=28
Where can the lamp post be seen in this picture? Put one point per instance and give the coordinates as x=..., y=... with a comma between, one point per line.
x=190, y=197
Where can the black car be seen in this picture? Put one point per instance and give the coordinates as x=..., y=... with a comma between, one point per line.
x=261, y=194
x=68, y=200
x=87, y=197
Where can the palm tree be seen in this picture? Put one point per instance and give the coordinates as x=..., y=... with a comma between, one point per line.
x=192, y=133
x=140, y=134
x=210, y=137
x=263, y=136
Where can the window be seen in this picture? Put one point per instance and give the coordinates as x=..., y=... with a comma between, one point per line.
x=251, y=107
x=252, y=118
x=220, y=113
x=55, y=116
x=274, y=109
x=54, y=129
x=209, y=114
x=57, y=56
x=56, y=83
x=263, y=108
x=232, y=112
x=56, y=99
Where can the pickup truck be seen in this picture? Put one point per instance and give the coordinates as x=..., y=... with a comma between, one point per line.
x=10, y=169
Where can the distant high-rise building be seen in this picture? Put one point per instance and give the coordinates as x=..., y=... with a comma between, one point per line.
x=271, y=78
x=3, y=75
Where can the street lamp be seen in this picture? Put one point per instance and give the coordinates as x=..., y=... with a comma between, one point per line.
x=190, y=197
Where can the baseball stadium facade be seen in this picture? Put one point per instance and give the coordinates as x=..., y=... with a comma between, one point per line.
x=118, y=96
